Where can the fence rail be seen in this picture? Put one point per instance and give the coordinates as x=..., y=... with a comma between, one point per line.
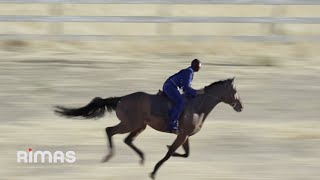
x=159, y=19
x=135, y=38
x=56, y=30
x=245, y=2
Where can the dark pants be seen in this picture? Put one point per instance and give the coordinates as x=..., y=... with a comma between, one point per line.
x=174, y=95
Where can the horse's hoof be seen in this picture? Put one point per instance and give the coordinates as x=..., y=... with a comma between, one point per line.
x=142, y=162
x=152, y=176
x=106, y=159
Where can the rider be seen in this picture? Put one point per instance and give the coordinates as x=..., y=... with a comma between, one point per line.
x=182, y=80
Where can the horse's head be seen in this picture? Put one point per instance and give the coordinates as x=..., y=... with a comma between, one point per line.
x=231, y=96
x=225, y=91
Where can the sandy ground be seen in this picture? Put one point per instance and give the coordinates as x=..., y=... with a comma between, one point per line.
x=276, y=136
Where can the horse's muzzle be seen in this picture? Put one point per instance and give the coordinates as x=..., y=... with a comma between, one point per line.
x=237, y=107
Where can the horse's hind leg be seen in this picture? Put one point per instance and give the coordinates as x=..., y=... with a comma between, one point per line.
x=186, y=148
x=110, y=131
x=131, y=137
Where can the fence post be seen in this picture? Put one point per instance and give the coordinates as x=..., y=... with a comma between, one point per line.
x=164, y=28
x=277, y=11
x=56, y=27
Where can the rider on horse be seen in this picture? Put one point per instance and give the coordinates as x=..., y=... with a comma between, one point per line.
x=181, y=80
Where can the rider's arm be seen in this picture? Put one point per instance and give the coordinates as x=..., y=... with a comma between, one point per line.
x=187, y=89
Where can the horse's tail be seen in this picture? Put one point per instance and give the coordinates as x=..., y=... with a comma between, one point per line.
x=95, y=109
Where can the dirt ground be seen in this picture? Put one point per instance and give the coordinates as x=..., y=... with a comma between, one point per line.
x=276, y=137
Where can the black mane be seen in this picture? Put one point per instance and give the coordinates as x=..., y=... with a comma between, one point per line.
x=221, y=82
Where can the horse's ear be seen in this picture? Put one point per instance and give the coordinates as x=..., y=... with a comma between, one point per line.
x=233, y=79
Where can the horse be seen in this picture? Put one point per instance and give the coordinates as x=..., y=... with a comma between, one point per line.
x=135, y=111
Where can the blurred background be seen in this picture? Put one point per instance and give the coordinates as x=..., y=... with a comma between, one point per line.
x=67, y=52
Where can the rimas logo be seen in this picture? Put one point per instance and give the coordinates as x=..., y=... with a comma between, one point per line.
x=31, y=156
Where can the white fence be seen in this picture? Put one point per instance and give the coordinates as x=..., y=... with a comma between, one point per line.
x=263, y=2
x=139, y=19
x=161, y=19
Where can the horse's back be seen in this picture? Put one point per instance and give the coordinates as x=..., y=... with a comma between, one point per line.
x=132, y=108
x=141, y=108
x=153, y=104
x=135, y=99
x=161, y=104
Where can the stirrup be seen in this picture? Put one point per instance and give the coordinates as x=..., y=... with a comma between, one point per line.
x=175, y=130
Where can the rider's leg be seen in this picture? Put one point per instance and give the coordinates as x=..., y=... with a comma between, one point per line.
x=175, y=96
x=176, y=111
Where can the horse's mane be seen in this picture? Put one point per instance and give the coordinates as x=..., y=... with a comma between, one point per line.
x=221, y=82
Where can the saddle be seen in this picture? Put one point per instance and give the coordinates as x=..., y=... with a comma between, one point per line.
x=160, y=104
x=161, y=93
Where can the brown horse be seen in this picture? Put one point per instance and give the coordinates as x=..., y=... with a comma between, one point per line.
x=136, y=111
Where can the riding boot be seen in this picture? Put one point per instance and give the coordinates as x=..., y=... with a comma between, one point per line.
x=174, y=127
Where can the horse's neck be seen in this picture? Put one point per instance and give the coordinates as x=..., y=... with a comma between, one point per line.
x=209, y=105
x=210, y=100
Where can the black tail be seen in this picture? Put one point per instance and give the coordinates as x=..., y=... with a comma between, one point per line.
x=95, y=109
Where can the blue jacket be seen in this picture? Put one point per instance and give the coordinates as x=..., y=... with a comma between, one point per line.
x=183, y=80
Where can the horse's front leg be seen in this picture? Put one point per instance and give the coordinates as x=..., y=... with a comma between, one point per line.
x=181, y=138
x=186, y=148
